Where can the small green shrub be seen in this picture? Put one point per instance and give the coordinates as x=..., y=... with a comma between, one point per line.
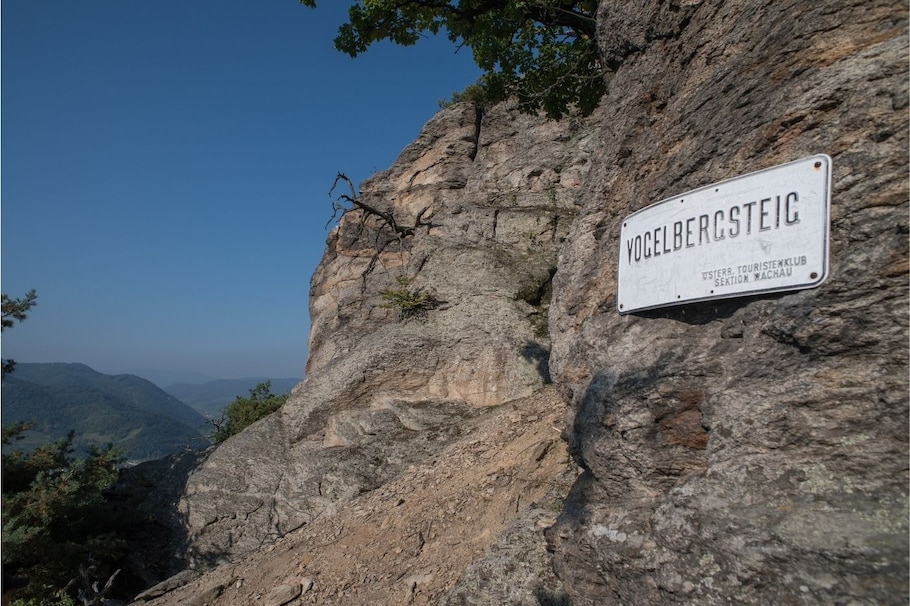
x=243, y=412
x=59, y=598
x=473, y=93
x=411, y=303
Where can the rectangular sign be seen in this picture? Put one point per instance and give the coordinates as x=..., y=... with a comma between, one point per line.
x=762, y=232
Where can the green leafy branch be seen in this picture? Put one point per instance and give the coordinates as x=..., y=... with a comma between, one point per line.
x=15, y=310
x=542, y=52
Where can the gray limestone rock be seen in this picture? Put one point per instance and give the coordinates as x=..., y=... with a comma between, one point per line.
x=178, y=580
x=490, y=197
x=283, y=594
x=749, y=450
x=518, y=568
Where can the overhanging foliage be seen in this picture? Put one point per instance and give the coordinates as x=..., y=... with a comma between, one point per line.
x=542, y=52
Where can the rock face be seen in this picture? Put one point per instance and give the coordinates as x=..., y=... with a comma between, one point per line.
x=409, y=541
x=490, y=198
x=752, y=449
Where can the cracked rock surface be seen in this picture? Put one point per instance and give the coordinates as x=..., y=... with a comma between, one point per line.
x=748, y=450
x=411, y=540
x=740, y=451
x=495, y=194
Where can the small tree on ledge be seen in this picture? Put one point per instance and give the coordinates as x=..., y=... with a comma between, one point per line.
x=243, y=412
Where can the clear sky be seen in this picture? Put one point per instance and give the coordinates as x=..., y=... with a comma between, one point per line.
x=166, y=167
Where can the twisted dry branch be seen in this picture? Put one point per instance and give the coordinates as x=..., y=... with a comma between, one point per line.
x=346, y=202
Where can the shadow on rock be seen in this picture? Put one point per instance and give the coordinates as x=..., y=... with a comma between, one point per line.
x=149, y=493
x=540, y=356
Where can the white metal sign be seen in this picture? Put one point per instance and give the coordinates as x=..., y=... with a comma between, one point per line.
x=762, y=232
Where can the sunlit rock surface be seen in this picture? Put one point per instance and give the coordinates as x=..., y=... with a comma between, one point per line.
x=495, y=194
x=749, y=450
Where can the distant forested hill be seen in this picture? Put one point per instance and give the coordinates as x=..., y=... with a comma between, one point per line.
x=210, y=398
x=128, y=411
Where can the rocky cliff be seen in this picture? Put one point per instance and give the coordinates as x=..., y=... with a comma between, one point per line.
x=746, y=449
x=389, y=384
x=750, y=450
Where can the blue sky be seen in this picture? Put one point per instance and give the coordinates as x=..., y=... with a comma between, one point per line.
x=166, y=167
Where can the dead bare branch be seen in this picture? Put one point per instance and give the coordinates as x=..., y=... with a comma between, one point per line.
x=344, y=203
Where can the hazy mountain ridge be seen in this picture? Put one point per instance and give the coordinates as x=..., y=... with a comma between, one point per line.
x=161, y=378
x=128, y=411
x=210, y=398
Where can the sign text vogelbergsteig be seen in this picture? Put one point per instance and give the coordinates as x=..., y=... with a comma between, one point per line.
x=762, y=232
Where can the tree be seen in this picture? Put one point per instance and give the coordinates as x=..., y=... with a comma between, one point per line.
x=243, y=412
x=56, y=516
x=543, y=52
x=15, y=310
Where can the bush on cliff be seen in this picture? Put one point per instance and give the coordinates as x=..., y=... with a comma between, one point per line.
x=243, y=412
